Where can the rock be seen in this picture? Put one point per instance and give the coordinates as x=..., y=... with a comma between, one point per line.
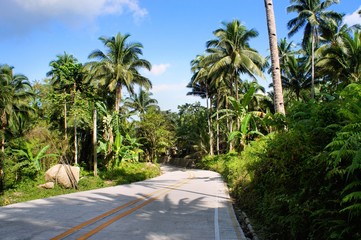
x=60, y=174
x=48, y=185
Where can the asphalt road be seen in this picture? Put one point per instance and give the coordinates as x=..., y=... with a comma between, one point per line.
x=180, y=204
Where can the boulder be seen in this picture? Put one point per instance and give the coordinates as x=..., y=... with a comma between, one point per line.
x=65, y=175
x=48, y=185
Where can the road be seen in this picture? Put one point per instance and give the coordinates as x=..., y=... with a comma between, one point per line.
x=179, y=204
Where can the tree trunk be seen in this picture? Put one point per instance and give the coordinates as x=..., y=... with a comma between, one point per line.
x=65, y=124
x=276, y=72
x=75, y=143
x=118, y=97
x=95, y=161
x=313, y=65
x=3, y=140
x=217, y=120
x=209, y=127
x=237, y=98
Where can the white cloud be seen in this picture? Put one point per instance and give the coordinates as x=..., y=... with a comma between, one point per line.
x=353, y=18
x=22, y=16
x=159, y=69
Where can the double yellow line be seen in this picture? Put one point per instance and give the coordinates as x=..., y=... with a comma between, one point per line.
x=149, y=198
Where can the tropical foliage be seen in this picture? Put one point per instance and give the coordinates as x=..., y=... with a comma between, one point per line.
x=297, y=174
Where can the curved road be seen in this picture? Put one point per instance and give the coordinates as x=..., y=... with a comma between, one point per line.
x=179, y=204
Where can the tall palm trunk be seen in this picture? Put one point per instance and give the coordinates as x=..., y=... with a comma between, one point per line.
x=276, y=72
x=217, y=120
x=75, y=127
x=210, y=132
x=237, y=98
x=75, y=143
x=3, y=121
x=313, y=63
x=95, y=161
x=118, y=97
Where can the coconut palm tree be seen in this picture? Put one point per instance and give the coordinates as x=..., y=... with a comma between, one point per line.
x=230, y=55
x=119, y=66
x=341, y=61
x=312, y=15
x=233, y=55
x=15, y=89
x=201, y=85
x=276, y=71
x=141, y=102
x=295, y=78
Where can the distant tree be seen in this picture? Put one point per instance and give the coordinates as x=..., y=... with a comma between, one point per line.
x=156, y=132
x=140, y=103
x=192, y=131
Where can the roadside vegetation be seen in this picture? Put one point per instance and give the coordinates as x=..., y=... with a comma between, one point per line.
x=296, y=173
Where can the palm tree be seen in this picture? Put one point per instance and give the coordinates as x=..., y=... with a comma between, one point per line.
x=276, y=71
x=119, y=66
x=341, y=62
x=230, y=55
x=233, y=55
x=201, y=86
x=14, y=90
x=296, y=77
x=313, y=16
x=141, y=102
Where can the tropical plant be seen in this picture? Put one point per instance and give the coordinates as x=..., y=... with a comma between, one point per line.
x=240, y=109
x=119, y=66
x=346, y=152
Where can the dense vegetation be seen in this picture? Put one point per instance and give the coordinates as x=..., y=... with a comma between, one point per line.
x=298, y=175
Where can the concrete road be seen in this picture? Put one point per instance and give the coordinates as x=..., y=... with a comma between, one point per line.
x=180, y=204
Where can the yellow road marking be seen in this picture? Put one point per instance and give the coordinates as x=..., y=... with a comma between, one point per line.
x=116, y=218
x=106, y=214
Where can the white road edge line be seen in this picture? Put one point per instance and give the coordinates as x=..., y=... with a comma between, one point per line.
x=216, y=224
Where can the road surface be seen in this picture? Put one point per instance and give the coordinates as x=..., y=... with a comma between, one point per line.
x=179, y=204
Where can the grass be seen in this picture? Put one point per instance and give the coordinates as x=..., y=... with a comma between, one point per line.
x=125, y=173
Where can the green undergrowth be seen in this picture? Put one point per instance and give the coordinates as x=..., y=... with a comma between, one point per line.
x=304, y=182
x=126, y=173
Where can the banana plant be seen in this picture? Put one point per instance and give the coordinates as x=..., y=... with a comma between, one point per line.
x=26, y=154
x=240, y=110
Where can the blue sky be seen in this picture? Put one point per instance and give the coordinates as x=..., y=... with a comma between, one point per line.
x=173, y=32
